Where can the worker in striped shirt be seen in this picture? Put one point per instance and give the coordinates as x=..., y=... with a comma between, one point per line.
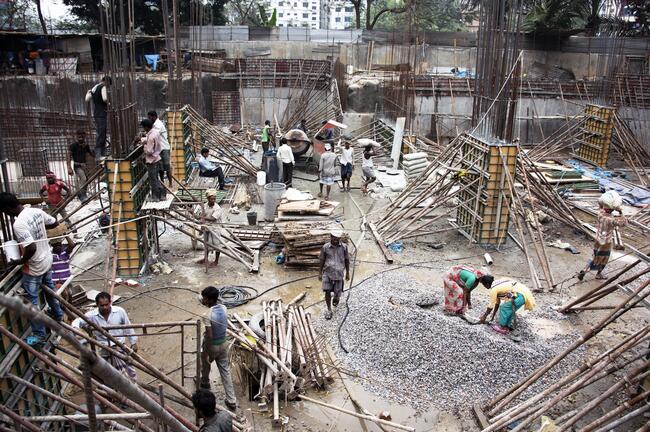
x=60, y=255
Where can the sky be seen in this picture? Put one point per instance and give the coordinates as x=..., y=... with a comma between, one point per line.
x=54, y=9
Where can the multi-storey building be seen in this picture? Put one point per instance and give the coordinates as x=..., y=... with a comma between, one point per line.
x=338, y=15
x=297, y=13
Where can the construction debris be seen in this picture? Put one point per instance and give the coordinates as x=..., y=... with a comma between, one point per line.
x=303, y=242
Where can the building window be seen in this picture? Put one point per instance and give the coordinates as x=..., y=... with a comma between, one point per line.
x=305, y=15
x=348, y=19
x=349, y=9
x=337, y=19
x=280, y=15
x=338, y=9
x=313, y=18
x=313, y=8
x=305, y=5
x=281, y=3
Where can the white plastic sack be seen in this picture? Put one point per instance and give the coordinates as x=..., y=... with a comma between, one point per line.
x=611, y=199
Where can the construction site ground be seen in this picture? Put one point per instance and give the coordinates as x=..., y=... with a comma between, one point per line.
x=157, y=299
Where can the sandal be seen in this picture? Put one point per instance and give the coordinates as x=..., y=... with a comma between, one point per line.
x=328, y=315
x=501, y=330
x=581, y=275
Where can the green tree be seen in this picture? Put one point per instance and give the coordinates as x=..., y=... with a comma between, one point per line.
x=18, y=15
x=243, y=12
x=375, y=9
x=556, y=17
x=265, y=20
x=430, y=15
x=148, y=13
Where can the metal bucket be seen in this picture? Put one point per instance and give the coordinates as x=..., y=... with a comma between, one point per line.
x=272, y=194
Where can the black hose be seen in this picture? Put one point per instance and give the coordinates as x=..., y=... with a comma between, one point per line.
x=232, y=296
x=347, y=297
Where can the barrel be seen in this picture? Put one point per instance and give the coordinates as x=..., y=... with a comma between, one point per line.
x=252, y=218
x=272, y=194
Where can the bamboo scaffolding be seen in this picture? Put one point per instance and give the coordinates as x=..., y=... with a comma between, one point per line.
x=500, y=401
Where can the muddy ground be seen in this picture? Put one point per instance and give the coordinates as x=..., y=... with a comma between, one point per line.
x=171, y=298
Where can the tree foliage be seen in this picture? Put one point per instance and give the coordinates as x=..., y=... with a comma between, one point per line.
x=19, y=15
x=434, y=15
x=428, y=15
x=148, y=13
x=265, y=20
x=243, y=12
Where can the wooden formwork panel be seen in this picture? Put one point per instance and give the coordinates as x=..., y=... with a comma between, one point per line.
x=129, y=254
x=596, y=135
x=176, y=133
x=484, y=213
x=126, y=200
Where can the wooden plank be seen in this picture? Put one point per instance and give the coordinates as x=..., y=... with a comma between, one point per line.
x=388, y=255
x=480, y=416
x=310, y=206
x=256, y=261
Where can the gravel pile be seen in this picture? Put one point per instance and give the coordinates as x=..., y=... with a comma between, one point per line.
x=421, y=357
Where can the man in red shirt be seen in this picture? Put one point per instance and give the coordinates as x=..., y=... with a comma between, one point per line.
x=52, y=192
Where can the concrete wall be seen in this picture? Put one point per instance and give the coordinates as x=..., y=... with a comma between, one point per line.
x=536, y=118
x=428, y=58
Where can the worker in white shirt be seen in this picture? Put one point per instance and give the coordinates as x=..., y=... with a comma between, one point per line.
x=165, y=153
x=347, y=161
x=99, y=97
x=285, y=155
x=210, y=214
x=106, y=315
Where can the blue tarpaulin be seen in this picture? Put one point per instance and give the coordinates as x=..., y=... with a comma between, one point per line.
x=152, y=59
x=631, y=194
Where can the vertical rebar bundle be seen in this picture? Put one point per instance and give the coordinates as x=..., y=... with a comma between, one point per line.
x=117, y=26
x=497, y=68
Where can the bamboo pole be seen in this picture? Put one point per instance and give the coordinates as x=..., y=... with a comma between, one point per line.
x=507, y=396
x=523, y=409
x=96, y=364
x=358, y=415
x=565, y=308
x=137, y=358
x=60, y=371
x=19, y=422
x=85, y=417
x=613, y=413
x=636, y=375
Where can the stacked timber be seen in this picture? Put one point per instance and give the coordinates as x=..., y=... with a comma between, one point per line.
x=302, y=244
x=311, y=209
x=283, y=354
x=414, y=164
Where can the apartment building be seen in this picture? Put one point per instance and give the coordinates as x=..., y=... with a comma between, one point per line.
x=338, y=15
x=297, y=13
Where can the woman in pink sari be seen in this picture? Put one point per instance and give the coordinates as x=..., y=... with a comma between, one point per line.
x=458, y=285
